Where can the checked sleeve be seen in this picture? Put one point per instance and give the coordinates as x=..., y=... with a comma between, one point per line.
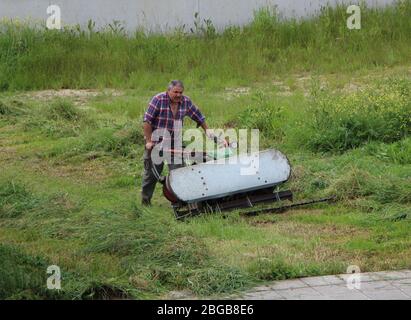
x=152, y=110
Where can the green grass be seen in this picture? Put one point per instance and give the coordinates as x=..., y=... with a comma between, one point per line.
x=23, y=276
x=336, y=102
x=72, y=200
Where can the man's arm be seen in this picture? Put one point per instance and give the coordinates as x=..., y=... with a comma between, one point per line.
x=148, y=130
x=210, y=135
x=204, y=126
x=149, y=116
x=195, y=114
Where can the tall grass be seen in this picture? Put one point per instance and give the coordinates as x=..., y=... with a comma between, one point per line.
x=378, y=113
x=34, y=58
x=263, y=114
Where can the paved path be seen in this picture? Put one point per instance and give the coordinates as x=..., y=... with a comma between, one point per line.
x=393, y=285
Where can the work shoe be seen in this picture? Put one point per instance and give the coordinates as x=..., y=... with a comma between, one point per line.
x=146, y=202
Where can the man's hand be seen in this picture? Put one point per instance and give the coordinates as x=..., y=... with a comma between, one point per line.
x=225, y=143
x=212, y=136
x=149, y=145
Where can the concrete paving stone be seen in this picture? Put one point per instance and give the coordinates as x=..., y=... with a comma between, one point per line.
x=288, y=284
x=395, y=285
x=404, y=282
x=264, y=295
x=250, y=297
x=387, y=295
x=377, y=286
x=335, y=290
x=393, y=275
x=322, y=281
x=406, y=289
x=369, y=277
x=262, y=288
x=351, y=296
x=364, y=277
x=314, y=298
x=299, y=293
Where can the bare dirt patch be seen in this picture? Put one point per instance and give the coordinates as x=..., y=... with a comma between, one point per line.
x=7, y=154
x=283, y=89
x=79, y=97
x=231, y=93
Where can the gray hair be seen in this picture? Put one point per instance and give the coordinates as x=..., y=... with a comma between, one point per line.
x=175, y=83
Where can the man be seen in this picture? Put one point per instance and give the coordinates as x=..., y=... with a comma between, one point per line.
x=165, y=110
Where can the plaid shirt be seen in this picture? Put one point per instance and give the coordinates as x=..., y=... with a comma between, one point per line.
x=160, y=116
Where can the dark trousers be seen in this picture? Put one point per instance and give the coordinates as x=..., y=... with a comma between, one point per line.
x=149, y=178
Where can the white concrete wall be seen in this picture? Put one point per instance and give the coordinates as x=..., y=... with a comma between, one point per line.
x=161, y=15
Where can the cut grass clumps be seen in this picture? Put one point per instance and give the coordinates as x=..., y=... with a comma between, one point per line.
x=148, y=238
x=279, y=269
x=398, y=152
x=117, y=140
x=151, y=247
x=357, y=183
x=64, y=119
x=391, y=190
x=62, y=109
x=12, y=108
x=224, y=279
x=340, y=123
x=15, y=199
x=59, y=119
x=23, y=276
x=205, y=280
x=102, y=291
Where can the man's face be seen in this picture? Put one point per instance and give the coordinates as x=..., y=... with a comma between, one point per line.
x=176, y=94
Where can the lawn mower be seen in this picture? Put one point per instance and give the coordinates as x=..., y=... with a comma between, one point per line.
x=217, y=184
